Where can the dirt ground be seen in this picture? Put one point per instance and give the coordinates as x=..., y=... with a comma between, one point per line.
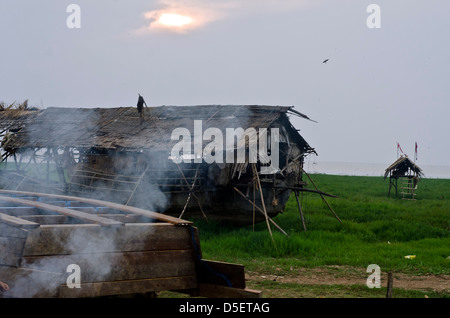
x=341, y=275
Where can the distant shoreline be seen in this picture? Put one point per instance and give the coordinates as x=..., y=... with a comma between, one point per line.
x=368, y=169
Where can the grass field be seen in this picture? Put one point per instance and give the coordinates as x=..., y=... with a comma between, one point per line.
x=376, y=229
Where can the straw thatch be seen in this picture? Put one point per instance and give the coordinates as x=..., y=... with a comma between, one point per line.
x=111, y=153
x=403, y=167
x=120, y=128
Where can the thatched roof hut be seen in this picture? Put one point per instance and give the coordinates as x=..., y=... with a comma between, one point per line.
x=120, y=128
x=403, y=167
x=406, y=170
x=110, y=154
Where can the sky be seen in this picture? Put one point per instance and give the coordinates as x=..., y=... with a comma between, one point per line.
x=382, y=85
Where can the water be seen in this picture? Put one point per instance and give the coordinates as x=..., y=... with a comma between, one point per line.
x=368, y=169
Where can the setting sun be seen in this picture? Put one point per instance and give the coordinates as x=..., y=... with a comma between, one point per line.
x=174, y=20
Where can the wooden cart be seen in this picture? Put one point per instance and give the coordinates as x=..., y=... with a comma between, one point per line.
x=64, y=246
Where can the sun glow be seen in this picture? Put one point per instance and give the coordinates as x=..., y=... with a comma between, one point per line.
x=174, y=20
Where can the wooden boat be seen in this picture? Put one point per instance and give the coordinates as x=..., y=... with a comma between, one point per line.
x=65, y=246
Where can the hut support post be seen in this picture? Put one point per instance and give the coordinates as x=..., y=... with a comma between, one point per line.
x=195, y=196
x=254, y=199
x=136, y=185
x=59, y=167
x=190, y=193
x=322, y=197
x=255, y=174
x=47, y=156
x=261, y=211
x=300, y=210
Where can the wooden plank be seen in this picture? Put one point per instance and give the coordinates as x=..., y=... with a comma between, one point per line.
x=11, y=250
x=128, y=287
x=50, y=219
x=15, y=221
x=220, y=273
x=7, y=230
x=64, y=211
x=118, y=266
x=217, y=291
x=127, y=218
x=19, y=210
x=26, y=283
x=79, y=238
x=120, y=207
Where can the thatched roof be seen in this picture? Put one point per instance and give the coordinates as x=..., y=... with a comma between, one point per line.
x=120, y=128
x=400, y=168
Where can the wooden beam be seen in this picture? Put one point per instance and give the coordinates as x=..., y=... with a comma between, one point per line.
x=306, y=190
x=260, y=210
x=116, y=206
x=321, y=195
x=213, y=272
x=128, y=287
x=54, y=239
x=48, y=219
x=15, y=221
x=300, y=210
x=118, y=266
x=255, y=175
x=76, y=214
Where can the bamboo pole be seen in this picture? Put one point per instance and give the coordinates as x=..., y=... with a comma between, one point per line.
x=136, y=185
x=255, y=173
x=300, y=210
x=179, y=168
x=261, y=211
x=190, y=193
x=306, y=190
x=254, y=199
x=322, y=196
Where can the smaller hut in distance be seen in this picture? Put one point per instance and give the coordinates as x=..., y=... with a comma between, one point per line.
x=408, y=173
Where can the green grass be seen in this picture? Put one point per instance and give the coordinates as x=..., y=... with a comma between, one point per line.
x=376, y=229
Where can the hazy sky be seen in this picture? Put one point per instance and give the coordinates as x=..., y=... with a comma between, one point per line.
x=381, y=85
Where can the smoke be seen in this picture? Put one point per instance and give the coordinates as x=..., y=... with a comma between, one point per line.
x=98, y=251
x=145, y=179
x=88, y=247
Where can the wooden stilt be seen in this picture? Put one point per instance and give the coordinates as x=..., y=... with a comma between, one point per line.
x=190, y=193
x=179, y=168
x=48, y=165
x=261, y=211
x=323, y=198
x=254, y=199
x=15, y=161
x=193, y=194
x=390, y=284
x=136, y=185
x=255, y=173
x=300, y=210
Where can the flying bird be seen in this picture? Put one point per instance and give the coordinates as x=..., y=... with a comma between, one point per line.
x=326, y=61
